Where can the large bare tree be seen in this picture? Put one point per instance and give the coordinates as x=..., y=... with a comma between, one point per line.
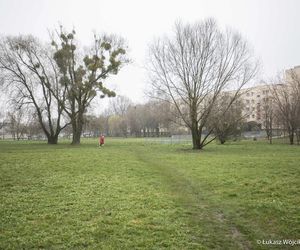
x=31, y=78
x=191, y=68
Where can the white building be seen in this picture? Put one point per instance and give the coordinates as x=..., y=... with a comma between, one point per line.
x=255, y=98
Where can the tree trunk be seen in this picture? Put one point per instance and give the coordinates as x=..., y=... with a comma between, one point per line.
x=76, y=134
x=76, y=137
x=222, y=140
x=196, y=140
x=52, y=139
x=77, y=125
x=271, y=135
x=291, y=136
x=157, y=131
x=196, y=136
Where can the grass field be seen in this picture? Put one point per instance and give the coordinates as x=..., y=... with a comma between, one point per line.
x=135, y=195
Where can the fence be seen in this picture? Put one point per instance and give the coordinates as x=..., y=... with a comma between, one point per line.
x=174, y=139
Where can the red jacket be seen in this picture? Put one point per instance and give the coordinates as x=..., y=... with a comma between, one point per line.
x=101, y=139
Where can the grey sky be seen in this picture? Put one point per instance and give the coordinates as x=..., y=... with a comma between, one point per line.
x=271, y=26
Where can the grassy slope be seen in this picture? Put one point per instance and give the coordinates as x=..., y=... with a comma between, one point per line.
x=135, y=195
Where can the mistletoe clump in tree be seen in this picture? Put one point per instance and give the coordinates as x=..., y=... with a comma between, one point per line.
x=83, y=75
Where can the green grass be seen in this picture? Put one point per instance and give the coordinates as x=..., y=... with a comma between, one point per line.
x=134, y=195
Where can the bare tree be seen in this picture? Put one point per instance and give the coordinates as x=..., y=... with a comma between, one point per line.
x=193, y=67
x=156, y=115
x=104, y=121
x=135, y=119
x=286, y=95
x=34, y=129
x=31, y=78
x=117, y=126
x=145, y=119
x=18, y=121
x=293, y=79
x=268, y=116
x=123, y=117
x=163, y=115
x=226, y=122
x=120, y=105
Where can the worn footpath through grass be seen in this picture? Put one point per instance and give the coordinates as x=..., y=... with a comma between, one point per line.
x=133, y=195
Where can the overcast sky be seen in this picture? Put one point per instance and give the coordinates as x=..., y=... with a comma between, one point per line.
x=271, y=26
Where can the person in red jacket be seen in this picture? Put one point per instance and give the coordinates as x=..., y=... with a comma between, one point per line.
x=101, y=140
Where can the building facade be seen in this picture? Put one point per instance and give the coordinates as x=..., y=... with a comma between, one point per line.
x=257, y=98
x=254, y=99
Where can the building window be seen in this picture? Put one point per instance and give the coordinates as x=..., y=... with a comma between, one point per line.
x=253, y=116
x=258, y=95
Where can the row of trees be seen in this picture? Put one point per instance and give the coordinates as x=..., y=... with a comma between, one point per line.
x=158, y=118
x=196, y=76
x=59, y=80
x=188, y=71
x=121, y=118
x=124, y=118
x=20, y=123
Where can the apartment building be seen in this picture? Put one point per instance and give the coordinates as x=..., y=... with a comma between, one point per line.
x=290, y=72
x=255, y=98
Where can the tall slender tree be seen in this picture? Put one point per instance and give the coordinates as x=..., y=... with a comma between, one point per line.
x=286, y=97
